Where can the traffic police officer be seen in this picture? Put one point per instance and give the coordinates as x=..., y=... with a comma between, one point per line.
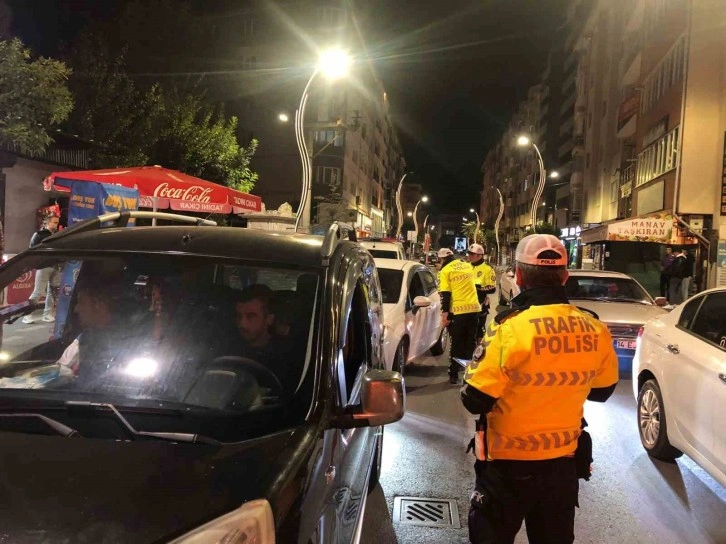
x=529, y=379
x=459, y=308
x=486, y=283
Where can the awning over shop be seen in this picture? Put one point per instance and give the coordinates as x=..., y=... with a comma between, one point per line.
x=162, y=188
x=660, y=228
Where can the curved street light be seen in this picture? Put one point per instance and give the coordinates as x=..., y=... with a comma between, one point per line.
x=398, y=206
x=496, y=223
x=478, y=223
x=523, y=141
x=333, y=64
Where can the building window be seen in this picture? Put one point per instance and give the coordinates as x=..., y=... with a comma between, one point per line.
x=658, y=158
x=248, y=27
x=327, y=175
x=668, y=72
x=329, y=136
x=249, y=63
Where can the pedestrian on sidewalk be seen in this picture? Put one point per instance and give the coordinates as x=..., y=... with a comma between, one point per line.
x=665, y=277
x=528, y=381
x=679, y=271
x=689, y=274
x=46, y=279
x=459, y=308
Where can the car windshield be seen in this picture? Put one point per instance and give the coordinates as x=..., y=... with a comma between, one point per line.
x=391, y=281
x=383, y=254
x=606, y=289
x=161, y=330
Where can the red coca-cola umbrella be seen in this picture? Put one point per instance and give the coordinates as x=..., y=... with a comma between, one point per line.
x=161, y=188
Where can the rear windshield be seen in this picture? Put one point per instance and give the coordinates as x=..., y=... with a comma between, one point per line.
x=383, y=254
x=391, y=281
x=163, y=330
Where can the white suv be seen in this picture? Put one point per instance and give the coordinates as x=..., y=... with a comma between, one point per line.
x=384, y=249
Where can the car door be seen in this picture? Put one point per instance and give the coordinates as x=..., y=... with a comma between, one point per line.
x=418, y=317
x=687, y=379
x=709, y=326
x=359, y=350
x=433, y=326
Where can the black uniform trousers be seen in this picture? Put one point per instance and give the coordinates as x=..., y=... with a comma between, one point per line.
x=462, y=334
x=543, y=494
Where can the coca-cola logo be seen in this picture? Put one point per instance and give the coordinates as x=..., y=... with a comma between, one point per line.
x=193, y=193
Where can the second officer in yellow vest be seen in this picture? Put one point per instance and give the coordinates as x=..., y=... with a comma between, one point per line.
x=486, y=283
x=459, y=308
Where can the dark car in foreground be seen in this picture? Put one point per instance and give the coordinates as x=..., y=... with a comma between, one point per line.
x=170, y=403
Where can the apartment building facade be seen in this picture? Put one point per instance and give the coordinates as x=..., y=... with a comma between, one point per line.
x=357, y=157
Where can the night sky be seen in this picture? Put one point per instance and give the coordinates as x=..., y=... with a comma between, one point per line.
x=454, y=70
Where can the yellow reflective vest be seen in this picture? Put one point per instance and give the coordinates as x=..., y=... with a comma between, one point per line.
x=457, y=277
x=484, y=276
x=540, y=365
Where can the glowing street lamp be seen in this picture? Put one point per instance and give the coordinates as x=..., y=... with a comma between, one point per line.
x=283, y=118
x=398, y=206
x=333, y=64
x=523, y=141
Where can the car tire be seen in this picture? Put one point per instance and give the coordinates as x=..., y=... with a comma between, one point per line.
x=399, y=360
x=377, y=462
x=652, y=423
x=439, y=348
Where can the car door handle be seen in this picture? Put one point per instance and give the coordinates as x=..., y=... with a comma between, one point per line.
x=673, y=348
x=722, y=377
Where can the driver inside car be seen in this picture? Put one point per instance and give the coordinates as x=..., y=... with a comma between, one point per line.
x=257, y=338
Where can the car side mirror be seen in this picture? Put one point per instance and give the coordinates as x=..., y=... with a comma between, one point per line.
x=661, y=301
x=382, y=401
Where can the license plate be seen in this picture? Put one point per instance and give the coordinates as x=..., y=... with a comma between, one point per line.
x=625, y=344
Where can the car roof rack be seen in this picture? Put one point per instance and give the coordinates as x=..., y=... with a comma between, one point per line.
x=334, y=236
x=121, y=219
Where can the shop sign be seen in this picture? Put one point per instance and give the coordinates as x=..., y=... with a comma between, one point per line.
x=656, y=227
x=21, y=289
x=721, y=264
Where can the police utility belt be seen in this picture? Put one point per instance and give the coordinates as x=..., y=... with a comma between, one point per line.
x=582, y=456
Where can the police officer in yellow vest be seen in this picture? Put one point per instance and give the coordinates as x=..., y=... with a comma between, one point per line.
x=529, y=379
x=486, y=283
x=459, y=308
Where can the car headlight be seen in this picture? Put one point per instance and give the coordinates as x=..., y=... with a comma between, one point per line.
x=251, y=523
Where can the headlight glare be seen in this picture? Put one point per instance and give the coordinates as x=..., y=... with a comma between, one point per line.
x=251, y=523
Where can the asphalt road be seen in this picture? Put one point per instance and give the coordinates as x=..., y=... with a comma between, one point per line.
x=630, y=499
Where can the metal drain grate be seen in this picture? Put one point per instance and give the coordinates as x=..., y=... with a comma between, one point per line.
x=427, y=512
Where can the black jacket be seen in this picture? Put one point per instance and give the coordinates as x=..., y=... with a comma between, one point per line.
x=39, y=236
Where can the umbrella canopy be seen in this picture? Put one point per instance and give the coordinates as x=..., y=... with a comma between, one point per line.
x=162, y=188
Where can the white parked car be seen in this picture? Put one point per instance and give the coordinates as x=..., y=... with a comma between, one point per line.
x=679, y=381
x=411, y=312
x=620, y=302
x=508, y=288
x=383, y=248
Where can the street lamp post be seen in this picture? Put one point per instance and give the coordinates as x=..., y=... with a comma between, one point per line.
x=333, y=64
x=398, y=206
x=478, y=223
x=415, y=223
x=524, y=141
x=496, y=223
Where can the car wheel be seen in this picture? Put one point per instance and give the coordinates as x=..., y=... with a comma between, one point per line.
x=439, y=348
x=399, y=361
x=377, y=462
x=652, y=425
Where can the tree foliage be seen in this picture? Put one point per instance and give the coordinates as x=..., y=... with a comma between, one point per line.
x=138, y=124
x=546, y=228
x=34, y=97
